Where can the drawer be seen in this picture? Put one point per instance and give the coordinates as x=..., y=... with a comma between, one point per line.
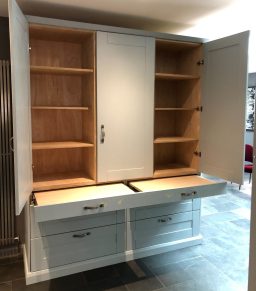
x=66, y=203
x=57, y=250
x=74, y=224
x=160, y=210
x=164, y=229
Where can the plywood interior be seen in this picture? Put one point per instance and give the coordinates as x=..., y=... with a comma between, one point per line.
x=63, y=107
x=177, y=94
x=179, y=58
x=180, y=153
x=58, y=47
x=68, y=160
x=177, y=123
x=177, y=108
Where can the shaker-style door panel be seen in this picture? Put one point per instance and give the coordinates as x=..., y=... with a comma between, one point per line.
x=125, y=97
x=19, y=45
x=224, y=103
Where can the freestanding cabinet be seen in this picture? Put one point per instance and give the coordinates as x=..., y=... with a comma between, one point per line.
x=168, y=108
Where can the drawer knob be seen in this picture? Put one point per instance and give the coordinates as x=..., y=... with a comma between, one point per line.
x=189, y=194
x=93, y=207
x=81, y=235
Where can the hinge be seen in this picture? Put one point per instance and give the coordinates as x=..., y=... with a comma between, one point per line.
x=200, y=62
x=32, y=200
x=199, y=154
x=199, y=108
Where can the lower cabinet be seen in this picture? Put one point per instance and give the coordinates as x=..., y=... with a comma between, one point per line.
x=62, y=242
x=161, y=224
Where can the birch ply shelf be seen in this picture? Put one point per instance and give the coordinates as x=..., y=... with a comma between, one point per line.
x=166, y=76
x=59, y=108
x=174, y=139
x=60, y=145
x=59, y=70
x=61, y=180
x=174, y=169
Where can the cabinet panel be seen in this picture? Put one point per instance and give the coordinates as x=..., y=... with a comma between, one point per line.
x=224, y=102
x=125, y=90
x=19, y=46
x=74, y=223
x=48, y=252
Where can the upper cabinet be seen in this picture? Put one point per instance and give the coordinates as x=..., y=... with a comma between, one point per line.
x=177, y=108
x=63, y=107
x=19, y=45
x=153, y=118
x=125, y=98
x=224, y=104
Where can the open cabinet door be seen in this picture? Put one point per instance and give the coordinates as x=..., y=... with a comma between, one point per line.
x=19, y=45
x=224, y=106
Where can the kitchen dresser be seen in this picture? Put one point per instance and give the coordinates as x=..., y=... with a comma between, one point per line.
x=112, y=128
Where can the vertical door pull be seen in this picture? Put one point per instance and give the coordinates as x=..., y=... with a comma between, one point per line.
x=102, y=134
x=11, y=144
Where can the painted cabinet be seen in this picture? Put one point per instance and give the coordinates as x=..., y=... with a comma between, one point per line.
x=163, y=113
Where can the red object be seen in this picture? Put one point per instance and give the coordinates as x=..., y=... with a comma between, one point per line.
x=248, y=167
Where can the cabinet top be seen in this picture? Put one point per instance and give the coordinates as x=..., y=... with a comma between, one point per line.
x=106, y=28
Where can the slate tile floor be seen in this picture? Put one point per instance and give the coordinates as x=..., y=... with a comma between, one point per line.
x=219, y=264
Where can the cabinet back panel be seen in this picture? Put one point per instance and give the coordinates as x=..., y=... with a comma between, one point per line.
x=58, y=125
x=177, y=94
x=55, y=53
x=53, y=162
x=178, y=61
x=176, y=153
x=56, y=90
x=182, y=124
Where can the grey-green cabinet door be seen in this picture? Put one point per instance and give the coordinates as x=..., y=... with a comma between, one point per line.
x=19, y=45
x=224, y=105
x=125, y=100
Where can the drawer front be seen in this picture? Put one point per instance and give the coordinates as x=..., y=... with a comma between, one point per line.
x=164, y=229
x=100, y=203
x=160, y=210
x=39, y=229
x=57, y=250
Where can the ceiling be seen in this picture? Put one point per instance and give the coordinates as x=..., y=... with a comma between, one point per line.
x=155, y=15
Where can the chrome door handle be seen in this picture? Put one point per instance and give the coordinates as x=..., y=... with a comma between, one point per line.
x=94, y=207
x=81, y=235
x=188, y=194
x=102, y=134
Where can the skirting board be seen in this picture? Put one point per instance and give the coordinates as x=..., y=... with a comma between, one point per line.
x=47, y=274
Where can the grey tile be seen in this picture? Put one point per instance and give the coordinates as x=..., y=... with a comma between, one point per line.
x=169, y=257
x=137, y=277
x=243, y=223
x=171, y=274
x=221, y=217
x=12, y=271
x=20, y=285
x=67, y=283
x=7, y=286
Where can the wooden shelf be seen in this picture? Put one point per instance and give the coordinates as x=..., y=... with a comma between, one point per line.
x=165, y=76
x=59, y=108
x=60, y=145
x=59, y=70
x=61, y=180
x=175, y=109
x=171, y=170
x=174, y=139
